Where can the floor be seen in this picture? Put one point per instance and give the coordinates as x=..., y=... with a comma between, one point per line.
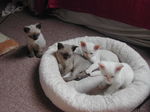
x=20, y=90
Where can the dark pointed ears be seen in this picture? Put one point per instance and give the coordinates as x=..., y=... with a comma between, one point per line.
x=74, y=47
x=26, y=29
x=60, y=46
x=38, y=25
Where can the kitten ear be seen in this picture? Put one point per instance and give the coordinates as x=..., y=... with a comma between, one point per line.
x=119, y=68
x=96, y=47
x=101, y=66
x=60, y=46
x=74, y=47
x=83, y=44
x=38, y=25
x=26, y=29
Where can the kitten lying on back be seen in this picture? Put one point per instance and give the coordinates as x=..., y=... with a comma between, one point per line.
x=117, y=75
x=93, y=53
x=70, y=62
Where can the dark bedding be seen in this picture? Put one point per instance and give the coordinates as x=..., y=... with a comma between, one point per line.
x=134, y=12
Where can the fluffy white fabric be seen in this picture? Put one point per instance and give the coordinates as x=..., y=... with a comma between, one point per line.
x=70, y=96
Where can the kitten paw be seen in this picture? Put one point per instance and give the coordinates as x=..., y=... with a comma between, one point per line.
x=88, y=72
x=38, y=55
x=67, y=79
x=31, y=55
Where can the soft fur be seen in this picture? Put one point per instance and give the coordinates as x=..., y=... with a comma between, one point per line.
x=95, y=54
x=71, y=62
x=35, y=40
x=117, y=75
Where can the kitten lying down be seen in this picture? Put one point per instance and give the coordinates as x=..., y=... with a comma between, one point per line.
x=70, y=62
x=95, y=54
x=117, y=75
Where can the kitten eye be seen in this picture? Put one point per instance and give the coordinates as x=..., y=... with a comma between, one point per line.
x=112, y=76
x=86, y=52
x=105, y=75
x=91, y=53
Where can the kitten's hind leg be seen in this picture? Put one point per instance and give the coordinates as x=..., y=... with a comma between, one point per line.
x=81, y=75
x=70, y=78
x=77, y=73
x=67, y=75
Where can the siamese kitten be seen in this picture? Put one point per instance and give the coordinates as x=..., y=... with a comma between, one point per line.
x=35, y=40
x=71, y=62
x=94, y=54
x=117, y=75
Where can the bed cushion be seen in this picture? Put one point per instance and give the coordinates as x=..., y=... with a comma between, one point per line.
x=71, y=96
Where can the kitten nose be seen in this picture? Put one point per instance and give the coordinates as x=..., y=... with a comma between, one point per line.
x=66, y=56
x=34, y=36
x=86, y=55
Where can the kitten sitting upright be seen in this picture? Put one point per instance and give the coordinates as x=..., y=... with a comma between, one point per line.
x=117, y=75
x=35, y=40
x=71, y=62
x=94, y=54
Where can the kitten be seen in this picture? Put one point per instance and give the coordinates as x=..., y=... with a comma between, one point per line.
x=117, y=75
x=93, y=53
x=35, y=40
x=71, y=62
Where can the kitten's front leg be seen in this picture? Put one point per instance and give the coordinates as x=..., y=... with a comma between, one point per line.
x=67, y=69
x=96, y=73
x=92, y=68
x=31, y=51
x=39, y=50
x=113, y=88
x=76, y=73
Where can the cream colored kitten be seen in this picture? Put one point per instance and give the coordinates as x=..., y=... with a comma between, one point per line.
x=93, y=53
x=117, y=75
x=35, y=39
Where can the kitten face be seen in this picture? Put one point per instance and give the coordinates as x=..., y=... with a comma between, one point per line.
x=33, y=31
x=88, y=49
x=110, y=70
x=65, y=51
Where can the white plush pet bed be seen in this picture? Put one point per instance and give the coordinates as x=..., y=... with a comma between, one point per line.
x=71, y=96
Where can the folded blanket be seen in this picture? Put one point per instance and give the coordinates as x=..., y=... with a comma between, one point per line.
x=7, y=44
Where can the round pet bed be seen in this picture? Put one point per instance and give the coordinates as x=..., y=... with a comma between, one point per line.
x=70, y=96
